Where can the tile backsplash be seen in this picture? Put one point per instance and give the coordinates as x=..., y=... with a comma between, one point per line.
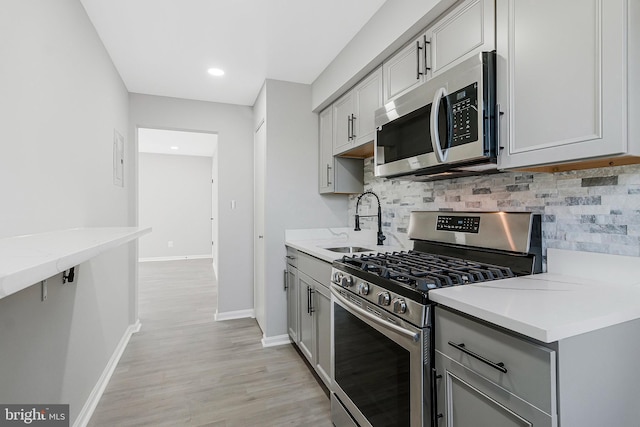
x=594, y=210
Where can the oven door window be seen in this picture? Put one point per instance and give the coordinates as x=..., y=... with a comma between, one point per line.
x=372, y=370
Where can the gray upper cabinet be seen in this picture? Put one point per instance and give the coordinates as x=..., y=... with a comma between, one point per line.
x=564, y=81
x=465, y=30
x=336, y=174
x=353, y=114
x=406, y=68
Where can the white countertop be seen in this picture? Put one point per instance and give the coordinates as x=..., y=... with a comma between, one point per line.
x=575, y=297
x=27, y=260
x=316, y=241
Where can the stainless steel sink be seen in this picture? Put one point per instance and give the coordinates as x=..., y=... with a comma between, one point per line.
x=349, y=249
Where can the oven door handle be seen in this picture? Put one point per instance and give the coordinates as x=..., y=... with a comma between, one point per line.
x=415, y=336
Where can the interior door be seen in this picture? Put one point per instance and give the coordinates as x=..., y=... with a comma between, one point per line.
x=260, y=155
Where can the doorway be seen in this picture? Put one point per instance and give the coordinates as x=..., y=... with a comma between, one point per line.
x=178, y=194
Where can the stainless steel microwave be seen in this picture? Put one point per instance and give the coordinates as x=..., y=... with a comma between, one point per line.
x=446, y=127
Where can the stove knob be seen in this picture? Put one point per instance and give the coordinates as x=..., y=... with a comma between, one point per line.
x=347, y=281
x=337, y=277
x=363, y=288
x=384, y=298
x=399, y=306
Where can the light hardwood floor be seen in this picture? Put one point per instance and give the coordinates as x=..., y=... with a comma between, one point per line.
x=185, y=369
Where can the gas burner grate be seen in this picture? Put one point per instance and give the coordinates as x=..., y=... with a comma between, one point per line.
x=425, y=271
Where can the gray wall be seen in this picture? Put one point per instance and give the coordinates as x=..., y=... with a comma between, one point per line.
x=233, y=124
x=291, y=189
x=60, y=101
x=175, y=200
x=593, y=210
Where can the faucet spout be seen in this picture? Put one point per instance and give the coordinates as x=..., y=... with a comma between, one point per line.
x=380, y=236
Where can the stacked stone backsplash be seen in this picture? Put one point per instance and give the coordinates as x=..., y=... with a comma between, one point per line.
x=594, y=210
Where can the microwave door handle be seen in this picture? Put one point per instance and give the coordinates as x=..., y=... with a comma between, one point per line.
x=441, y=155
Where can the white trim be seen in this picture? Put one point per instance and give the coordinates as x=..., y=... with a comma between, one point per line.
x=276, y=340
x=174, y=258
x=95, y=395
x=230, y=315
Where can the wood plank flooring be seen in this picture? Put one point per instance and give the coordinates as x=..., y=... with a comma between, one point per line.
x=185, y=369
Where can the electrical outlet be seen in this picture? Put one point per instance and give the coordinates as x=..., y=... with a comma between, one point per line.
x=170, y=243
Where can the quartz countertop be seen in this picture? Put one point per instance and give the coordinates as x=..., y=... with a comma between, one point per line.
x=316, y=241
x=582, y=292
x=27, y=260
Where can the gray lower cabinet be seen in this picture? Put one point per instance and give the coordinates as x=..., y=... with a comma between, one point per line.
x=309, y=311
x=306, y=340
x=322, y=304
x=292, y=287
x=585, y=380
x=488, y=378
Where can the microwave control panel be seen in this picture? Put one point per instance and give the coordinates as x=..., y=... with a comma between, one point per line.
x=465, y=224
x=464, y=110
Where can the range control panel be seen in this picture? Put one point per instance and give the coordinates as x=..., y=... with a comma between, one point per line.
x=465, y=224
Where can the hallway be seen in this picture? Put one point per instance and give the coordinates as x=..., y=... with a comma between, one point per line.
x=184, y=368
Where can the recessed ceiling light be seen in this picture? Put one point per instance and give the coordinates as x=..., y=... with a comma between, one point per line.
x=217, y=72
x=174, y=147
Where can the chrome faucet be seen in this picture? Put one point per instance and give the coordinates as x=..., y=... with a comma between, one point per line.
x=381, y=236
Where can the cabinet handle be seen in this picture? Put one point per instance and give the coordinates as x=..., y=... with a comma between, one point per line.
x=308, y=301
x=425, y=55
x=499, y=366
x=328, y=179
x=349, y=128
x=498, y=119
x=418, y=48
x=286, y=277
x=311, y=309
x=353, y=126
x=434, y=392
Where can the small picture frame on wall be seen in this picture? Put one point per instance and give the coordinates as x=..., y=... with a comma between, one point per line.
x=118, y=159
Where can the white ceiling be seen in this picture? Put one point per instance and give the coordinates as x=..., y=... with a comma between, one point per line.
x=185, y=143
x=164, y=47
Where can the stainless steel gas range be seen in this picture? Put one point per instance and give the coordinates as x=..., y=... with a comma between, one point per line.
x=382, y=318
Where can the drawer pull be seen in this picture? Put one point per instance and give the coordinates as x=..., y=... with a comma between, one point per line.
x=499, y=366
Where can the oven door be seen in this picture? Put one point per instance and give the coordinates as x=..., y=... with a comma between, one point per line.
x=379, y=367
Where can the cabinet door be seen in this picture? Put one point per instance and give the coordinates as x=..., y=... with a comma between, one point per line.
x=305, y=330
x=322, y=313
x=466, y=30
x=404, y=70
x=368, y=98
x=562, y=92
x=467, y=399
x=342, y=111
x=325, y=167
x=292, y=302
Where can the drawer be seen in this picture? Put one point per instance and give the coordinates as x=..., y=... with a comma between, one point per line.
x=531, y=369
x=315, y=268
x=292, y=256
x=465, y=398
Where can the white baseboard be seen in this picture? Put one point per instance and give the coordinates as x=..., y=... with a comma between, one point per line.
x=95, y=395
x=174, y=258
x=276, y=340
x=239, y=314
